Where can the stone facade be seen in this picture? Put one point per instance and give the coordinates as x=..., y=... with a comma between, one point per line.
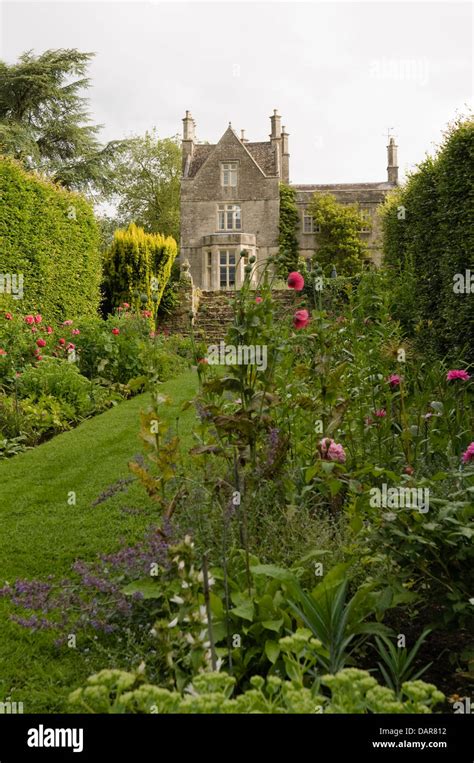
x=230, y=203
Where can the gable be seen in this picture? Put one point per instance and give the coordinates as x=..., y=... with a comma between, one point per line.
x=230, y=148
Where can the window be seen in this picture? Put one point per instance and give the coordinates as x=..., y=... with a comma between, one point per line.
x=309, y=226
x=209, y=269
x=229, y=174
x=226, y=268
x=365, y=212
x=228, y=217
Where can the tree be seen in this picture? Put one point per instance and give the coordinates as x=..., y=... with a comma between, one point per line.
x=147, y=182
x=339, y=241
x=44, y=121
x=288, y=230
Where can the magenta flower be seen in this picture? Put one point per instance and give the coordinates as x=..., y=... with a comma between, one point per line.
x=457, y=374
x=468, y=454
x=295, y=281
x=75, y=332
x=331, y=450
x=381, y=413
x=258, y=300
x=38, y=318
x=29, y=319
x=41, y=343
x=67, y=323
x=394, y=380
x=300, y=319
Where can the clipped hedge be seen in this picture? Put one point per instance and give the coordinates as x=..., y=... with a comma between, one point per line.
x=428, y=231
x=137, y=268
x=50, y=236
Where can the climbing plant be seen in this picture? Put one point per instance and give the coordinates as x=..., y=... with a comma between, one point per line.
x=288, y=229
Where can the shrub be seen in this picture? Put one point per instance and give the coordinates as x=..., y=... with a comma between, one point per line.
x=137, y=268
x=60, y=379
x=288, y=231
x=50, y=236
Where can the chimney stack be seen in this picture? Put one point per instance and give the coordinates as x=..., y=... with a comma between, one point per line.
x=285, y=157
x=275, y=138
x=243, y=139
x=392, y=162
x=187, y=144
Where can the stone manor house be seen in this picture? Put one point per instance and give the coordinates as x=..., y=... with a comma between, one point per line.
x=230, y=202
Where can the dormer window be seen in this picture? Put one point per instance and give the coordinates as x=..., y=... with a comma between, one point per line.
x=229, y=174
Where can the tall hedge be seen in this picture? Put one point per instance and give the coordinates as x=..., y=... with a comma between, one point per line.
x=428, y=232
x=137, y=268
x=50, y=236
x=288, y=231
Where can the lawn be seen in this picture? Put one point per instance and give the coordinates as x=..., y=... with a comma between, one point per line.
x=43, y=532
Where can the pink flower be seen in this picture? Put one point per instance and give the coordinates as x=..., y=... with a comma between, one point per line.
x=125, y=305
x=8, y=317
x=75, y=332
x=380, y=413
x=409, y=470
x=41, y=342
x=115, y=331
x=67, y=323
x=70, y=346
x=295, y=281
x=300, y=319
x=49, y=330
x=153, y=334
x=394, y=380
x=34, y=329
x=203, y=360
x=2, y=351
x=457, y=374
x=39, y=357
x=258, y=300
x=120, y=309
x=146, y=313
x=331, y=450
x=29, y=319
x=62, y=341
x=38, y=318
x=468, y=454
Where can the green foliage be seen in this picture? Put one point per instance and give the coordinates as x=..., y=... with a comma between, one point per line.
x=147, y=177
x=60, y=379
x=428, y=240
x=339, y=240
x=288, y=230
x=352, y=691
x=137, y=268
x=50, y=236
x=44, y=122
x=398, y=662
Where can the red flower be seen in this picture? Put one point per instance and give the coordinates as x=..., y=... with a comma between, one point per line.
x=295, y=281
x=300, y=319
x=39, y=357
x=394, y=380
x=29, y=319
x=38, y=318
x=2, y=351
x=76, y=332
x=125, y=305
x=8, y=316
x=41, y=343
x=115, y=331
x=62, y=341
x=409, y=470
x=49, y=330
x=258, y=300
x=457, y=374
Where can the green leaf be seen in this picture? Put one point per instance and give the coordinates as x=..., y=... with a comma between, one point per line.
x=148, y=588
x=272, y=650
x=272, y=625
x=245, y=610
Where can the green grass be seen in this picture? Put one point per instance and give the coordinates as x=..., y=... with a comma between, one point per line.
x=43, y=534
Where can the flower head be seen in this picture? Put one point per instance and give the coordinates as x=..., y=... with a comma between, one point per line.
x=295, y=281
x=457, y=374
x=75, y=332
x=41, y=342
x=300, y=319
x=394, y=380
x=49, y=329
x=258, y=300
x=62, y=341
x=29, y=319
x=468, y=454
x=2, y=351
x=67, y=323
x=115, y=331
x=381, y=413
x=8, y=317
x=333, y=451
x=38, y=318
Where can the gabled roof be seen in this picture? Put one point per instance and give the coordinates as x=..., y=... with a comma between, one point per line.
x=263, y=154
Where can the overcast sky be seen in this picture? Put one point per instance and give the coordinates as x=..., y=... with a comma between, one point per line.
x=340, y=74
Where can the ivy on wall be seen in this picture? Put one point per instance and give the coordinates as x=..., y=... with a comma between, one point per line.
x=288, y=231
